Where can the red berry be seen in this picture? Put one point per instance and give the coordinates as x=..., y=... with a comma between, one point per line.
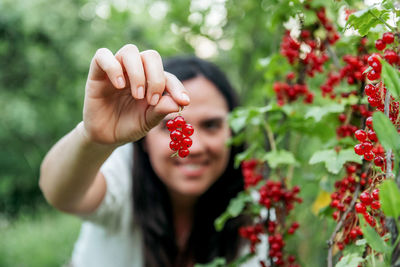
x=187, y=129
x=359, y=149
x=390, y=56
x=369, y=156
x=388, y=37
x=360, y=208
x=360, y=135
x=375, y=194
x=170, y=125
x=372, y=136
x=366, y=198
x=380, y=44
x=376, y=205
x=373, y=75
x=179, y=122
x=174, y=145
x=370, y=220
x=367, y=146
x=374, y=58
x=370, y=90
x=186, y=142
x=377, y=67
x=183, y=152
x=379, y=161
x=176, y=135
x=368, y=122
x=342, y=117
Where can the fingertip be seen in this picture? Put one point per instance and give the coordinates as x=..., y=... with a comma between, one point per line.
x=185, y=98
x=140, y=92
x=120, y=82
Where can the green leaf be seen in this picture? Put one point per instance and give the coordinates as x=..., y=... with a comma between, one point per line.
x=239, y=262
x=357, y=248
x=350, y=260
x=366, y=19
x=318, y=112
x=279, y=157
x=389, y=195
x=217, y=262
x=334, y=161
x=374, y=240
x=386, y=132
x=391, y=79
x=247, y=154
x=235, y=207
x=241, y=117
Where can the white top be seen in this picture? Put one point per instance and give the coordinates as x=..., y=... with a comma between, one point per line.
x=107, y=238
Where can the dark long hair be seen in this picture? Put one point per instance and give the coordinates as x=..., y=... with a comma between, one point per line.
x=152, y=205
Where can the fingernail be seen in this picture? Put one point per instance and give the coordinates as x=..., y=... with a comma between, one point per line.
x=140, y=92
x=154, y=99
x=120, y=82
x=185, y=97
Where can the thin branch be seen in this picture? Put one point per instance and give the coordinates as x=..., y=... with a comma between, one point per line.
x=334, y=57
x=389, y=151
x=270, y=136
x=340, y=224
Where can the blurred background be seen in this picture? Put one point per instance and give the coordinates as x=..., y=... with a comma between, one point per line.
x=45, y=51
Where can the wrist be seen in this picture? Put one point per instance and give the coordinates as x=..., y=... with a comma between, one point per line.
x=86, y=140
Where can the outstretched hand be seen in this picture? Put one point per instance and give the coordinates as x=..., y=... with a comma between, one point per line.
x=127, y=94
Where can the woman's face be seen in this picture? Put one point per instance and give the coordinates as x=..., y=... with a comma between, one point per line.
x=208, y=158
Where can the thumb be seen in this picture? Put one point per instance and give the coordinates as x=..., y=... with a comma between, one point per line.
x=155, y=114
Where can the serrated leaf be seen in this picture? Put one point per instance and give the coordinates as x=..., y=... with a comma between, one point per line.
x=279, y=157
x=351, y=260
x=374, y=240
x=358, y=248
x=334, y=161
x=319, y=112
x=366, y=19
x=389, y=195
x=391, y=78
x=388, y=4
x=386, y=132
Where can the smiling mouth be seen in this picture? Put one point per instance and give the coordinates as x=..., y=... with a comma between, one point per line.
x=192, y=169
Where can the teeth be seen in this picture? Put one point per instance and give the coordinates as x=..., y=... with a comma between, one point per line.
x=192, y=166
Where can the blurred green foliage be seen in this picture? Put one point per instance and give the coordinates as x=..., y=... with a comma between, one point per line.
x=45, y=52
x=38, y=239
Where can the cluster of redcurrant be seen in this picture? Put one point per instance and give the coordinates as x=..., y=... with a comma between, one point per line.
x=250, y=173
x=342, y=198
x=346, y=129
x=368, y=200
x=291, y=92
x=308, y=53
x=366, y=138
x=332, y=35
x=352, y=72
x=179, y=134
x=276, y=246
x=376, y=92
x=252, y=233
x=367, y=147
x=274, y=194
x=345, y=188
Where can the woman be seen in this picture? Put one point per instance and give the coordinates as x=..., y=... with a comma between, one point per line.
x=162, y=212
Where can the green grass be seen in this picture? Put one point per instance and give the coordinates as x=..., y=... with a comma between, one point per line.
x=42, y=239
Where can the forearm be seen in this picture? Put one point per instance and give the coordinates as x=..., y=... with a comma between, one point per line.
x=70, y=167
